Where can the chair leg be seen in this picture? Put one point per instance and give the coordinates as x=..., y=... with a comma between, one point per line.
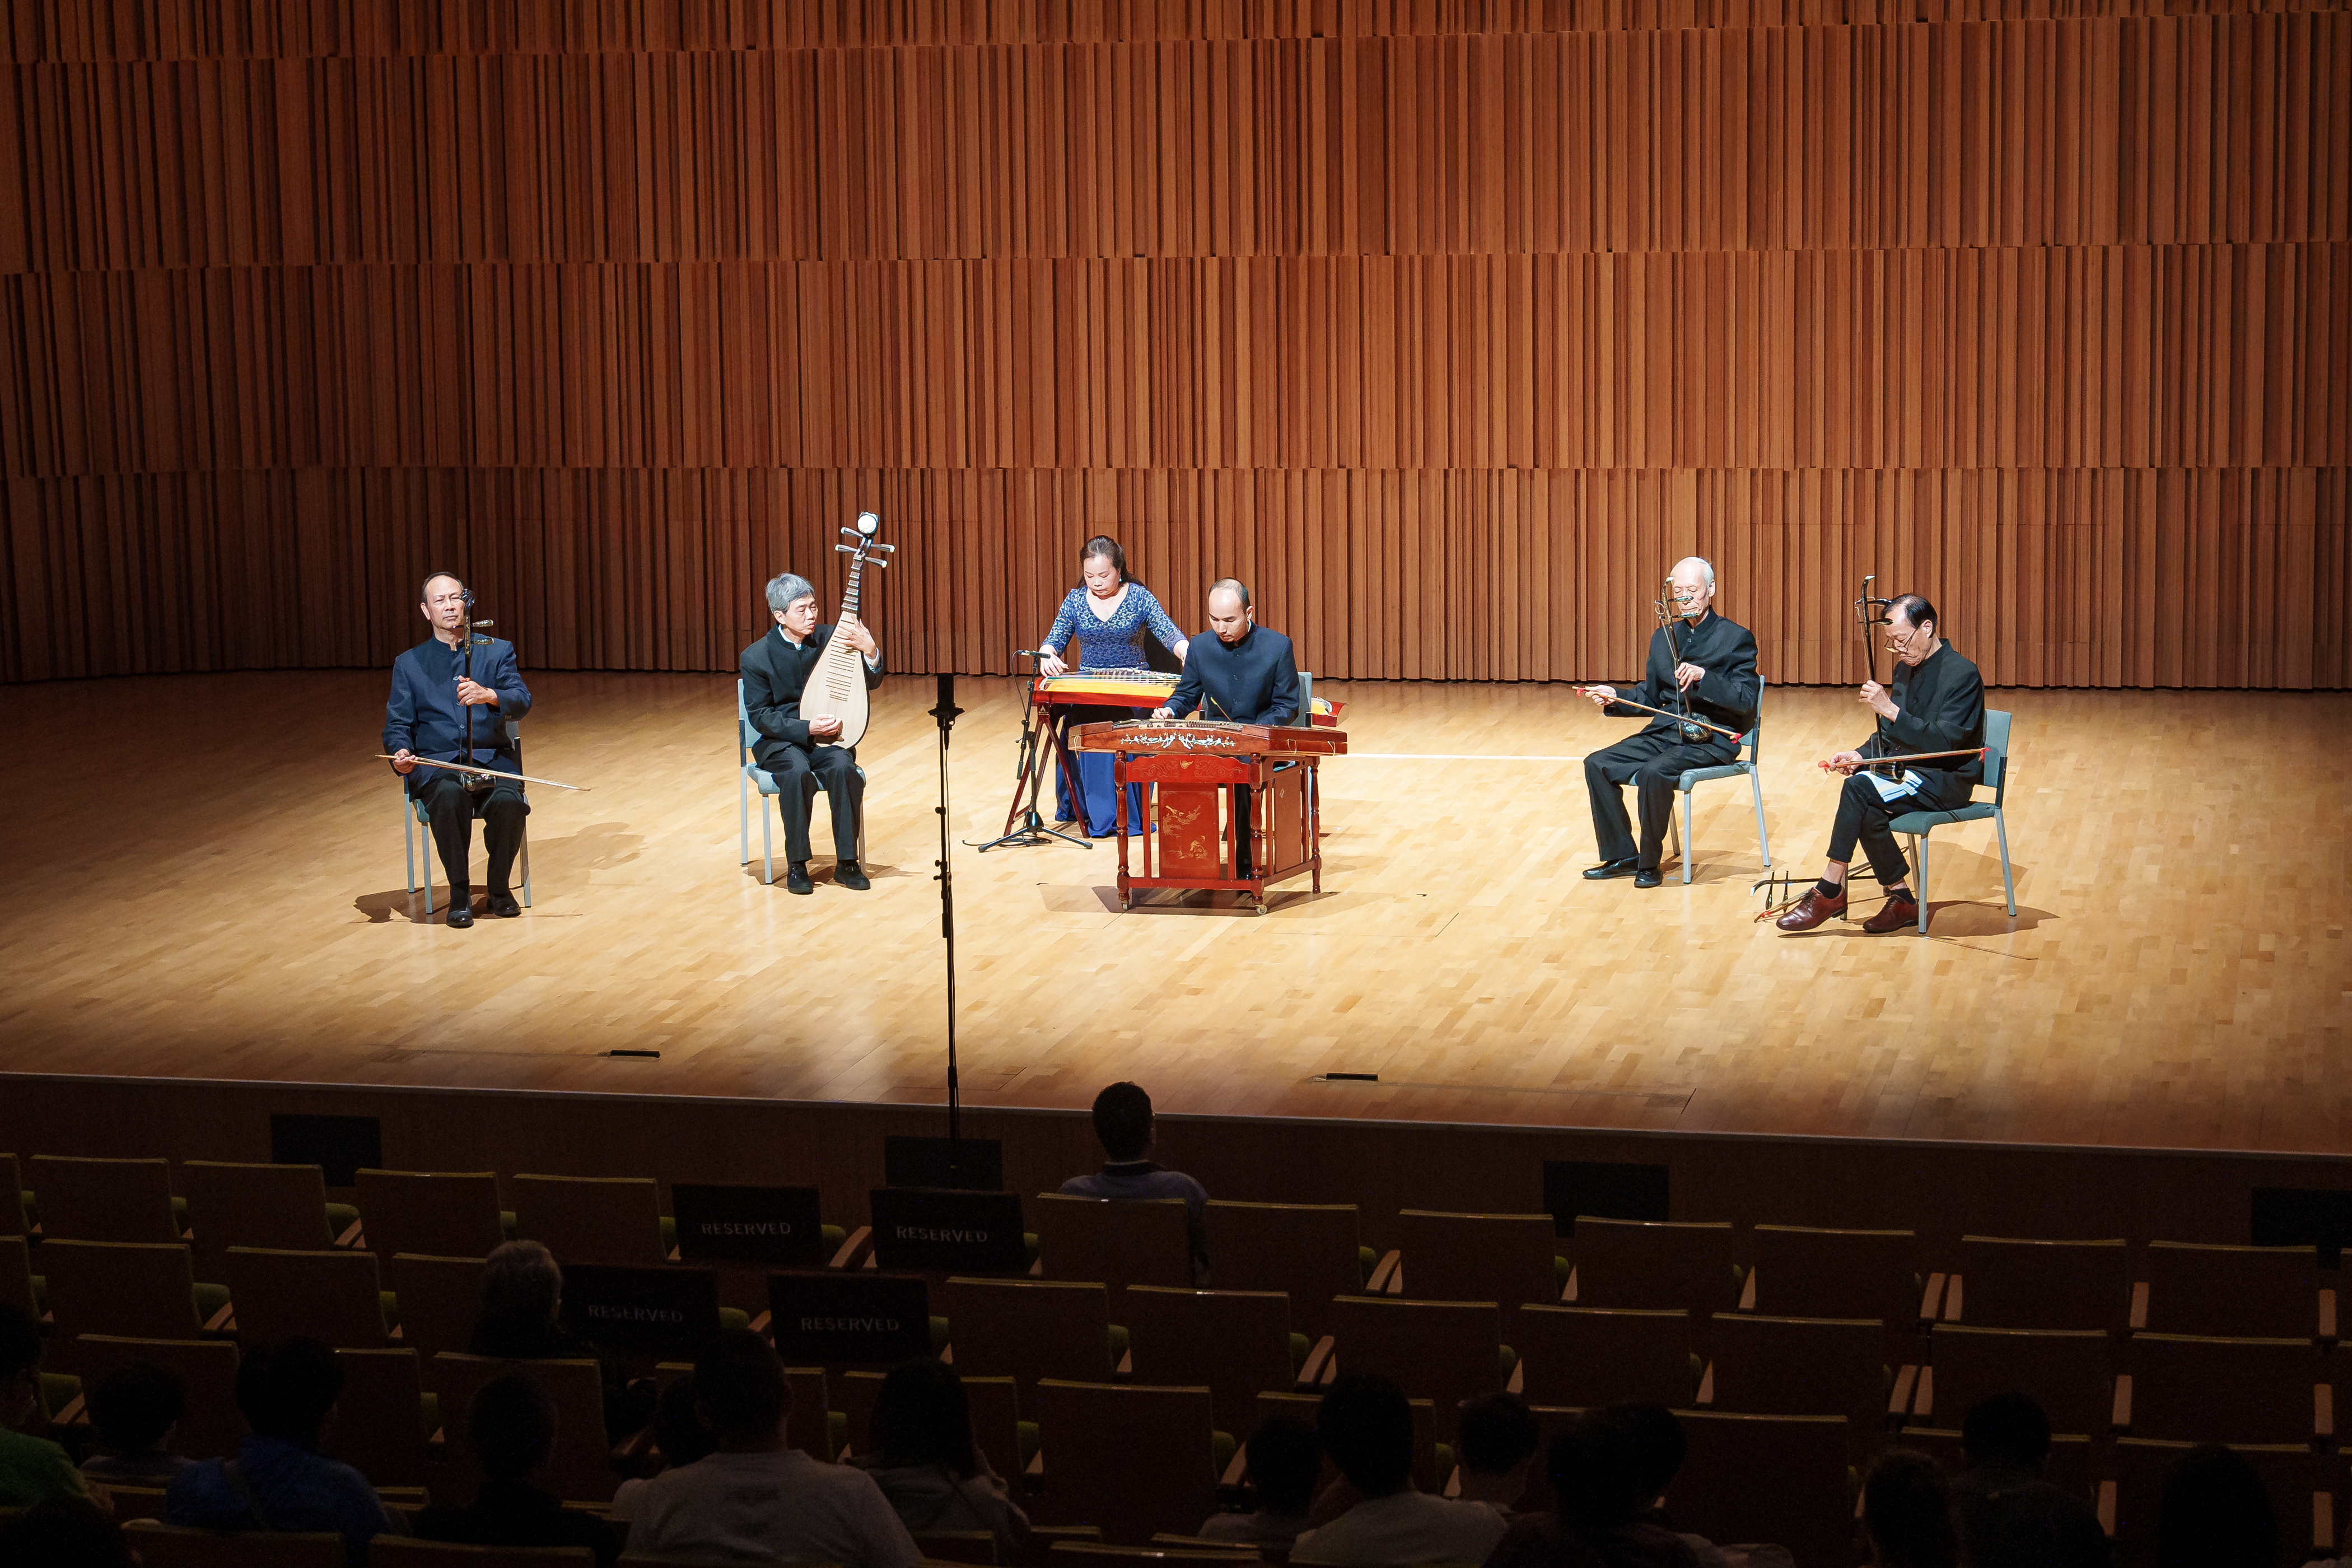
x=526, y=866
x=743, y=819
x=408, y=845
x=1763, y=839
x=1690, y=797
x=2008, y=886
x=767, y=847
x=1919, y=852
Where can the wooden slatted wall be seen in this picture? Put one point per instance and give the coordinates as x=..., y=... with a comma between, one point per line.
x=1448, y=324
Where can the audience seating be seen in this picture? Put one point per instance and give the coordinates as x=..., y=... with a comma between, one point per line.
x=1130, y=1458
x=1427, y=1472
x=437, y=1299
x=1028, y=1330
x=1781, y=1479
x=105, y=1200
x=1801, y=1366
x=2013, y=1283
x=996, y=1416
x=207, y=1368
x=2205, y=1389
x=973, y=1546
x=2068, y=1370
x=165, y=1546
x=1236, y=1344
x=136, y=1502
x=1312, y=1253
x=332, y=1295
x=437, y=1214
x=592, y=1219
x=1441, y=1351
x=1653, y=1263
x=146, y=1290
x=11, y=1198
x=280, y=1206
x=581, y=1469
x=1114, y=1242
x=2303, y=1488
x=16, y=1276
x=2259, y=1292
x=1074, y=1553
x=1580, y=1356
x=1804, y=1271
x=2070, y=1463
x=383, y=1418
x=399, y=1551
x=1506, y=1258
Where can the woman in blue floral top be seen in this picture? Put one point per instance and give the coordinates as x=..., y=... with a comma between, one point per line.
x=1109, y=615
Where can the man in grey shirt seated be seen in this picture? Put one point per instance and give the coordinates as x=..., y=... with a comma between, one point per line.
x=1123, y=1124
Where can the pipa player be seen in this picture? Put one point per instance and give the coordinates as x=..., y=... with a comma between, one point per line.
x=1246, y=674
x=1933, y=702
x=1700, y=691
x=802, y=753
x=425, y=720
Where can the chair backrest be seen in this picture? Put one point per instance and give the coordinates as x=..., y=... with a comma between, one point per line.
x=1756, y=728
x=746, y=737
x=2294, y=1477
x=1996, y=758
x=143, y=1289
x=1236, y=1344
x=1309, y=1252
x=104, y=1200
x=11, y=1198
x=1801, y=1366
x=2068, y=1465
x=2068, y=1372
x=1805, y=1271
x=379, y=1426
x=1584, y=1356
x=439, y=1298
x=329, y=1294
x=2208, y=1389
x=407, y=1551
x=592, y=1219
x=440, y=1214
x=1781, y=1479
x=282, y=1206
x=2009, y=1283
x=1028, y=1328
x=16, y=1276
x=2263, y=1291
x=1130, y=1457
x=168, y=1546
x=995, y=1415
x=1303, y=1407
x=1509, y=1258
x=137, y=1502
x=974, y=1546
x=1114, y=1241
x=1441, y=1351
x=1654, y=1263
x=581, y=1469
x=207, y=1369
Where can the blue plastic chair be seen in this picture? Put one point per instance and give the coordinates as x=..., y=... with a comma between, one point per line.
x=1747, y=764
x=417, y=827
x=750, y=773
x=1916, y=825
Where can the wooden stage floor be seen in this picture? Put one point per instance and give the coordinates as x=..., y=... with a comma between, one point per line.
x=203, y=884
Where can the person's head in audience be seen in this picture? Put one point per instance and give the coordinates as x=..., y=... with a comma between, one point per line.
x=512, y=1425
x=20, y=1366
x=2215, y=1514
x=1123, y=1123
x=2006, y=1432
x=923, y=1417
x=1658, y=1446
x=136, y=1409
x=64, y=1533
x=1497, y=1442
x=679, y=1433
x=739, y=1394
x=1286, y=1462
x=522, y=1291
x=1366, y=1425
x=288, y=1390
x=1906, y=1511
x=1598, y=1471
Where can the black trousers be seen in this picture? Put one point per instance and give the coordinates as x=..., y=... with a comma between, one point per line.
x=1653, y=763
x=452, y=807
x=798, y=774
x=1862, y=817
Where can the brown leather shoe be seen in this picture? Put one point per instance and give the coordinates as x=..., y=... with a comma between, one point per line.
x=1812, y=910
x=1895, y=914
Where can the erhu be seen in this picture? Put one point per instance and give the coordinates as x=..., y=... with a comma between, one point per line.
x=1669, y=610
x=1869, y=614
x=473, y=776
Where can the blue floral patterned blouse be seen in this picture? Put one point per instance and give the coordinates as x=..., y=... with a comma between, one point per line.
x=1116, y=643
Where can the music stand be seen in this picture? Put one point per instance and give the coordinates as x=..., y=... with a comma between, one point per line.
x=1032, y=829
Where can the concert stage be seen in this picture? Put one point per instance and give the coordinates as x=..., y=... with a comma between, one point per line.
x=206, y=886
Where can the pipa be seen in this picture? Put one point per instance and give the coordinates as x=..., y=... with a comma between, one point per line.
x=837, y=686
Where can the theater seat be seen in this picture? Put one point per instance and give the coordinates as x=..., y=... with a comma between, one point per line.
x=437, y=1299
x=206, y=1368
x=1506, y=1258
x=1805, y=1271
x=1445, y=1352
x=2068, y=1372
x=581, y=1469
x=1236, y=1344
x=1781, y=1479
x=1115, y=1242
x=382, y=1419
x=592, y=1219
x=166, y=1546
x=143, y=1289
x=2303, y=1487
x=1309, y=1252
x=280, y=1206
x=330, y=1294
x=12, y=1220
x=2208, y=1389
x=1653, y=1263
x=2011, y=1282
x=105, y=1200
x=2251, y=1292
x=1130, y=1458
x=431, y=1213
x=403, y=1551
x=1028, y=1330
x=1766, y=1365
x=1428, y=1462
x=1584, y=1356
x=16, y=1276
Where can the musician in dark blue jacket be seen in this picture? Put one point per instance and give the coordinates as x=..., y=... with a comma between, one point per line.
x=1245, y=674
x=425, y=720
x=804, y=755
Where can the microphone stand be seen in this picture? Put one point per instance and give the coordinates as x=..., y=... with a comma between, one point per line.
x=1032, y=829
x=946, y=712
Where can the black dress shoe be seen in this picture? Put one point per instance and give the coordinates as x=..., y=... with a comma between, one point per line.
x=1647, y=876
x=502, y=904
x=847, y=874
x=461, y=911
x=1608, y=868
x=796, y=880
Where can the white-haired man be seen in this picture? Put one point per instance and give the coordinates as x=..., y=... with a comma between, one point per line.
x=795, y=750
x=1703, y=658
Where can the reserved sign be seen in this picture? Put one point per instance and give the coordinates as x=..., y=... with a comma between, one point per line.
x=774, y=1226
x=936, y=1229
x=824, y=1318
x=667, y=1313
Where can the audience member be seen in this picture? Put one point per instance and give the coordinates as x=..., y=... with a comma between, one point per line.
x=522, y=1319
x=1495, y=1445
x=754, y=1498
x=680, y=1438
x=1600, y=1470
x=64, y=1533
x=1658, y=1449
x=1906, y=1511
x=278, y=1481
x=512, y=1427
x=1124, y=1126
x=926, y=1463
x=2006, y=1512
x=1366, y=1425
x=137, y=1410
x=32, y=1470
x=2215, y=1513
x=1285, y=1461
